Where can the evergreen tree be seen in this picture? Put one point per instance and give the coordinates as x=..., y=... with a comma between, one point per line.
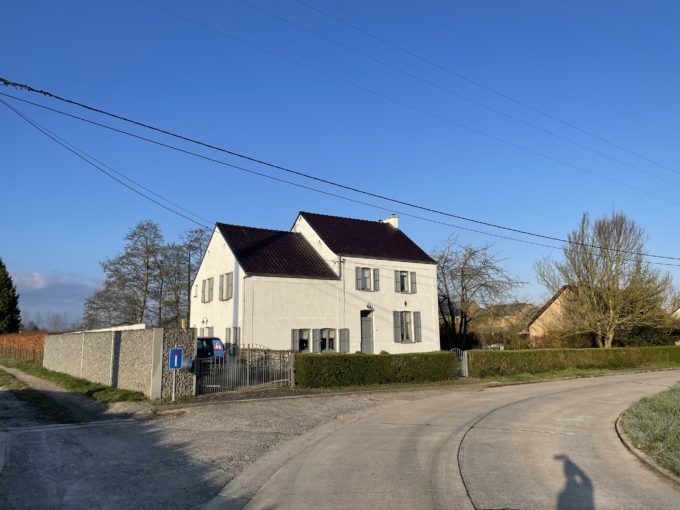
x=10, y=316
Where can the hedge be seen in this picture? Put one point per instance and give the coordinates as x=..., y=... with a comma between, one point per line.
x=490, y=363
x=327, y=370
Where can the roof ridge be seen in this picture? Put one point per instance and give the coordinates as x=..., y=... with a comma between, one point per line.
x=256, y=228
x=341, y=217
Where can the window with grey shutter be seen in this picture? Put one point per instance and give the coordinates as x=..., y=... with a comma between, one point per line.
x=237, y=335
x=211, y=282
x=210, y=331
x=203, y=289
x=344, y=340
x=418, y=336
x=376, y=280
x=358, y=277
x=316, y=340
x=201, y=331
x=227, y=336
x=397, y=327
x=413, y=282
x=397, y=281
x=294, y=340
x=230, y=285
x=221, y=293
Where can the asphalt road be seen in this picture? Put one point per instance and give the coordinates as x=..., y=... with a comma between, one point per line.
x=535, y=446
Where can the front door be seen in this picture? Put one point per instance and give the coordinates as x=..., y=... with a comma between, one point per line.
x=367, y=332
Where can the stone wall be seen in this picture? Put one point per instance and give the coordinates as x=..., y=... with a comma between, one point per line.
x=186, y=381
x=129, y=359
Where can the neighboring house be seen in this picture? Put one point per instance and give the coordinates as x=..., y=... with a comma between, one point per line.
x=676, y=314
x=547, y=319
x=330, y=284
x=495, y=321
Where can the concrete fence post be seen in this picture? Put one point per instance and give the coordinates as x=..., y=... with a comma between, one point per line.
x=464, y=367
x=156, y=364
x=82, y=353
x=113, y=346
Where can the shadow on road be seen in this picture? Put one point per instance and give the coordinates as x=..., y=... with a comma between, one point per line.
x=577, y=493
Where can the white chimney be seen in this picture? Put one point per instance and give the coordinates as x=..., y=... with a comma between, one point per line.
x=392, y=220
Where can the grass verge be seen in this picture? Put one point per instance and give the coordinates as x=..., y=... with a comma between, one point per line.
x=91, y=389
x=47, y=408
x=568, y=373
x=653, y=426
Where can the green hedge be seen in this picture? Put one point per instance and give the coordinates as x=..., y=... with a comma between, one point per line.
x=489, y=363
x=327, y=370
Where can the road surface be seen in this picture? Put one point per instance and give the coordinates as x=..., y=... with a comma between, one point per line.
x=533, y=446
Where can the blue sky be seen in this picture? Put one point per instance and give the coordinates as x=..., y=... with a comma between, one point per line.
x=608, y=67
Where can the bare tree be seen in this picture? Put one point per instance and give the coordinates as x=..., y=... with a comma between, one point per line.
x=55, y=322
x=469, y=278
x=195, y=242
x=611, y=288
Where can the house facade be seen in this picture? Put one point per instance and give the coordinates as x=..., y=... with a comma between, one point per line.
x=330, y=284
x=547, y=319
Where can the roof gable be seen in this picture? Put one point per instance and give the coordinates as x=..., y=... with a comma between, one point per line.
x=262, y=251
x=363, y=238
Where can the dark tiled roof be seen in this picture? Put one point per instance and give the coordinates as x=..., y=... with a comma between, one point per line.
x=274, y=252
x=362, y=238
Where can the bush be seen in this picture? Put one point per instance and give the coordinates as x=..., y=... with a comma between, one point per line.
x=491, y=363
x=327, y=370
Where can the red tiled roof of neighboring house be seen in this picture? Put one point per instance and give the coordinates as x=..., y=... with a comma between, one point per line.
x=363, y=238
x=262, y=251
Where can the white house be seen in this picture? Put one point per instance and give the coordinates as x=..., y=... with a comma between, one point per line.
x=330, y=284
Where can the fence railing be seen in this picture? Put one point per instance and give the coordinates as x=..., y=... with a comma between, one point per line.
x=24, y=347
x=248, y=366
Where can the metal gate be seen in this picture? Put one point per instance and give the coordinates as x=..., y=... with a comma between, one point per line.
x=462, y=361
x=250, y=365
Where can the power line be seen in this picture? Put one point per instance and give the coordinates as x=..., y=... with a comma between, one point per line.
x=74, y=150
x=457, y=94
x=328, y=193
x=486, y=87
x=411, y=106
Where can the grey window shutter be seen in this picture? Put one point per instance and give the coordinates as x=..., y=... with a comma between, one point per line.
x=294, y=340
x=316, y=340
x=221, y=286
x=376, y=279
x=416, y=327
x=397, y=284
x=211, y=283
x=227, y=336
x=413, y=282
x=200, y=332
x=358, y=277
x=203, y=291
x=237, y=335
x=230, y=285
x=397, y=326
x=344, y=340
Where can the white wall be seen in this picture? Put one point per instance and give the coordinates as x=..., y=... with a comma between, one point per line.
x=267, y=308
x=219, y=315
x=274, y=306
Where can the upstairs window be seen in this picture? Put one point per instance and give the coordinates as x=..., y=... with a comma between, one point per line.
x=405, y=282
x=207, y=290
x=367, y=279
x=226, y=286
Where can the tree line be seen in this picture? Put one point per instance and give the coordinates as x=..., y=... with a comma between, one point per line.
x=614, y=292
x=149, y=281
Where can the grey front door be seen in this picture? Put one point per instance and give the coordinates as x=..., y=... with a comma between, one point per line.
x=367, y=332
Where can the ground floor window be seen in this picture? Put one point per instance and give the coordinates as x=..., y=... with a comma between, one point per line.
x=407, y=327
x=303, y=340
x=327, y=340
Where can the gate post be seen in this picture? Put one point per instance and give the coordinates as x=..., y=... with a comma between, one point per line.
x=464, y=365
x=292, y=370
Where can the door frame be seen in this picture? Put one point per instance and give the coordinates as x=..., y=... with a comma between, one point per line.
x=366, y=314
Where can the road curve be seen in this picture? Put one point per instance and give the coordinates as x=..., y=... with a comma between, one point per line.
x=533, y=446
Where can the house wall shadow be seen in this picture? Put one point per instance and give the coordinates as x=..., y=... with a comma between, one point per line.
x=578, y=492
